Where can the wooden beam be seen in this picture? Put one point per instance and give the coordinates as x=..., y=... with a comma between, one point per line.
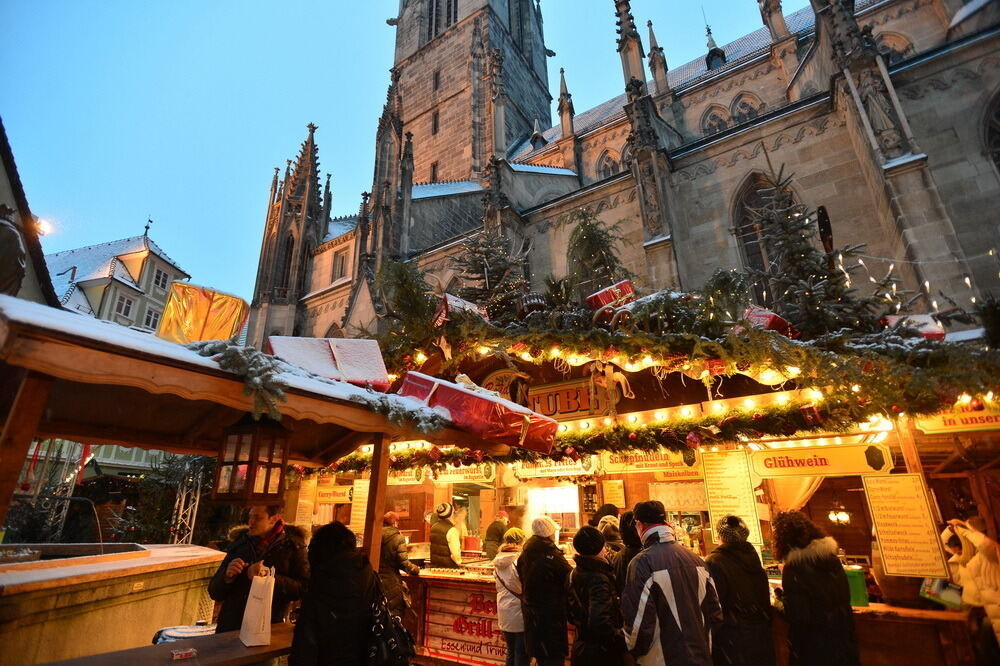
x=945, y=463
x=908, y=445
x=218, y=417
x=89, y=434
x=347, y=442
x=950, y=475
x=376, y=499
x=19, y=430
x=991, y=464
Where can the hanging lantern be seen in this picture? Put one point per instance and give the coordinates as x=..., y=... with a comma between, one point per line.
x=838, y=514
x=251, y=462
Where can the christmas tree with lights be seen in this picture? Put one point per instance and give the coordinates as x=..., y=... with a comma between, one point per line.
x=812, y=288
x=592, y=252
x=494, y=277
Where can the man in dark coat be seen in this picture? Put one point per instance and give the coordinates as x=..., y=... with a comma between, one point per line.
x=393, y=558
x=594, y=608
x=494, y=534
x=267, y=542
x=670, y=603
x=542, y=569
x=744, y=639
x=632, y=545
x=335, y=622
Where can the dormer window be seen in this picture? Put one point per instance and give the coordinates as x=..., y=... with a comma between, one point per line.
x=124, y=305
x=161, y=279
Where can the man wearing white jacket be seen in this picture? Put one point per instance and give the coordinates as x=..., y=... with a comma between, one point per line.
x=509, y=616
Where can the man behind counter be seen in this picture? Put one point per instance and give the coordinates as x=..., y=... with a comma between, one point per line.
x=446, y=547
x=494, y=534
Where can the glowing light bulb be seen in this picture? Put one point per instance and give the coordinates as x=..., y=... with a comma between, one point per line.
x=584, y=425
x=563, y=427
x=964, y=399
x=606, y=421
x=555, y=352
x=718, y=407
x=659, y=416
x=782, y=398
x=815, y=394
x=856, y=387
x=687, y=412
x=484, y=350
x=420, y=357
x=632, y=418
x=749, y=403
x=647, y=359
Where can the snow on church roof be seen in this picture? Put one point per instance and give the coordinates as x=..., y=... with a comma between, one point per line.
x=533, y=168
x=339, y=226
x=98, y=261
x=738, y=52
x=427, y=190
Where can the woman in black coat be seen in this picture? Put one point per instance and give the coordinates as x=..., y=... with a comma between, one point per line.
x=744, y=638
x=816, y=595
x=594, y=607
x=335, y=621
x=632, y=544
x=542, y=569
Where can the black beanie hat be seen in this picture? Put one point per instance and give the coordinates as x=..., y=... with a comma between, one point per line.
x=650, y=512
x=588, y=541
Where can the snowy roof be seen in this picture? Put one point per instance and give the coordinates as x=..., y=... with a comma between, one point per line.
x=107, y=334
x=738, y=52
x=340, y=226
x=97, y=262
x=427, y=190
x=532, y=168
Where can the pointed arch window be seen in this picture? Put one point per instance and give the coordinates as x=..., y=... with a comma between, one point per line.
x=746, y=107
x=440, y=15
x=748, y=231
x=715, y=120
x=284, y=272
x=993, y=131
x=627, y=156
x=607, y=166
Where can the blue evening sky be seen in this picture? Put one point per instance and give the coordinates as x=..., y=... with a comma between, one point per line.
x=121, y=109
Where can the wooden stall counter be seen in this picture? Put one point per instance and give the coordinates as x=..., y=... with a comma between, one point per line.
x=892, y=635
x=216, y=649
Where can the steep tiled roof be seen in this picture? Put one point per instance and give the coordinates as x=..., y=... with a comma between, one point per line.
x=738, y=52
x=98, y=261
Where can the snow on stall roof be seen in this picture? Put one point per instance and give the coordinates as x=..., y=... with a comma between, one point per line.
x=113, y=335
x=534, y=168
x=427, y=190
x=738, y=52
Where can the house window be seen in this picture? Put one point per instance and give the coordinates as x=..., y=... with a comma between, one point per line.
x=124, y=306
x=437, y=80
x=160, y=279
x=435, y=122
x=434, y=172
x=339, y=264
x=152, y=319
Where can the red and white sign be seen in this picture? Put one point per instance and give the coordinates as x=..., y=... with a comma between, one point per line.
x=460, y=624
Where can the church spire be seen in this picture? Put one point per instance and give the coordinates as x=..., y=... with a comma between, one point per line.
x=657, y=63
x=566, y=111
x=629, y=44
x=716, y=57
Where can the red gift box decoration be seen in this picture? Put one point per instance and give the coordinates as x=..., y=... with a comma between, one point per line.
x=450, y=304
x=762, y=318
x=346, y=359
x=483, y=413
x=928, y=326
x=616, y=295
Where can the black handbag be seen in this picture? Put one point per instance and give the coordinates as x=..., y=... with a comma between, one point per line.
x=392, y=644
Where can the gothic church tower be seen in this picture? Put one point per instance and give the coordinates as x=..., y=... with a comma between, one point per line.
x=471, y=79
x=297, y=220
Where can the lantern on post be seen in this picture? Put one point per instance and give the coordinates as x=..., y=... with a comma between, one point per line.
x=252, y=461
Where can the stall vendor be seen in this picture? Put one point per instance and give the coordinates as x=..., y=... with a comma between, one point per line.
x=494, y=534
x=446, y=546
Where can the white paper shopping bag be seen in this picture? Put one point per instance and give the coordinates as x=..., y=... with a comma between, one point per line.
x=256, y=629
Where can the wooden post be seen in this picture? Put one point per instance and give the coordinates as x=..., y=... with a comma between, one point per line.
x=911, y=456
x=18, y=432
x=376, y=499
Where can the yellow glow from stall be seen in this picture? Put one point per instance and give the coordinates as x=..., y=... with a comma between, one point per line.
x=718, y=407
x=749, y=403
x=632, y=418
x=420, y=357
x=687, y=412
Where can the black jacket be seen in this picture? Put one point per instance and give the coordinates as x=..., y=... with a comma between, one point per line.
x=542, y=569
x=393, y=558
x=595, y=611
x=620, y=562
x=818, y=607
x=287, y=554
x=744, y=639
x=335, y=621
x=494, y=537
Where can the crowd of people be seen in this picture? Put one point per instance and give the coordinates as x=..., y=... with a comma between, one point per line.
x=635, y=594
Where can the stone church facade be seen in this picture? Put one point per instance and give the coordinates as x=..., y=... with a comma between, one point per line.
x=886, y=111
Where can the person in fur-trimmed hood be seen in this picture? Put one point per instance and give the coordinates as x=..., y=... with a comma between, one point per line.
x=267, y=542
x=816, y=595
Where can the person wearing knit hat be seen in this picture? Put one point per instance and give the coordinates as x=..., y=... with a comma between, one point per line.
x=745, y=634
x=510, y=618
x=593, y=604
x=542, y=569
x=446, y=546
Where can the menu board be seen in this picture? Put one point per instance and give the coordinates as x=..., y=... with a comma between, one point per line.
x=680, y=495
x=614, y=492
x=359, y=506
x=729, y=489
x=907, y=537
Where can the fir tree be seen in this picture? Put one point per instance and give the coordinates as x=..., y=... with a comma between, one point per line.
x=407, y=319
x=592, y=252
x=494, y=278
x=810, y=288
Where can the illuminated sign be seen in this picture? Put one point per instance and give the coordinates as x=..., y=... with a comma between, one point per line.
x=670, y=465
x=962, y=418
x=907, y=533
x=477, y=473
x=544, y=467
x=822, y=461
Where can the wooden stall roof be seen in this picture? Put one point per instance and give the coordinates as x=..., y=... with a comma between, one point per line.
x=114, y=385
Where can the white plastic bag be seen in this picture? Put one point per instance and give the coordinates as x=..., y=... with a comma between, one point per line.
x=256, y=629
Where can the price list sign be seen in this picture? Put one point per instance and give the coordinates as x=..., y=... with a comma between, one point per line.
x=904, y=524
x=730, y=490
